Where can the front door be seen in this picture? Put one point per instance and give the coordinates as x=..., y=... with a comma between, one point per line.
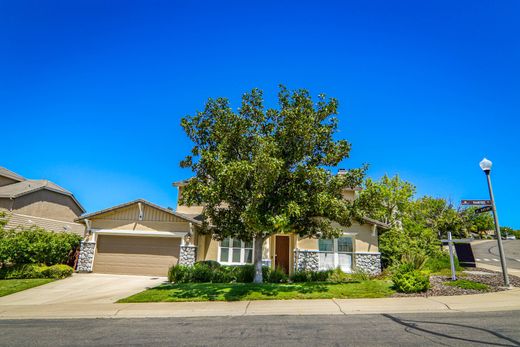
x=281, y=259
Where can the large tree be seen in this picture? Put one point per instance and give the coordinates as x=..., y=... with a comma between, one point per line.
x=260, y=171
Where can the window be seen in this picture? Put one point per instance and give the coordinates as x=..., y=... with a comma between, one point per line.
x=336, y=253
x=235, y=251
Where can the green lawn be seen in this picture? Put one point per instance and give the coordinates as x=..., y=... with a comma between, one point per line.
x=266, y=291
x=12, y=286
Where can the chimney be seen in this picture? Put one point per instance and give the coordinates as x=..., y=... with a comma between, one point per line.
x=342, y=171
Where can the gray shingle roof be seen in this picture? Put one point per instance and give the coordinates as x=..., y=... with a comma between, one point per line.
x=10, y=174
x=28, y=186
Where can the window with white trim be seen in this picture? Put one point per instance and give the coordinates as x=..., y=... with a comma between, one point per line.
x=235, y=251
x=336, y=253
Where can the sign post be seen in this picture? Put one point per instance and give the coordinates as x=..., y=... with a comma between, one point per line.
x=452, y=261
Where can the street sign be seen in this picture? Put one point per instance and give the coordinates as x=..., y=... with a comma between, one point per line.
x=475, y=202
x=484, y=209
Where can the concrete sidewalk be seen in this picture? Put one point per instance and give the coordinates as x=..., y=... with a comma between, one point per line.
x=499, y=301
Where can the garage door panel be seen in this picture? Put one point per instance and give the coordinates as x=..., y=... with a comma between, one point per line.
x=135, y=255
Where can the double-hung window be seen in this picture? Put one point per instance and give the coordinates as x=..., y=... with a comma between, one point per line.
x=236, y=252
x=336, y=253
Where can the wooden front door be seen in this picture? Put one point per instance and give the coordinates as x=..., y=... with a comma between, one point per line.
x=282, y=253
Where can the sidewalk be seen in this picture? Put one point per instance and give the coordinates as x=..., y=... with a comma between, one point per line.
x=499, y=301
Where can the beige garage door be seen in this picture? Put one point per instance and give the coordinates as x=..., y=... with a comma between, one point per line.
x=135, y=255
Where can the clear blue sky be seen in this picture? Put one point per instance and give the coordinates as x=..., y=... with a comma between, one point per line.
x=92, y=92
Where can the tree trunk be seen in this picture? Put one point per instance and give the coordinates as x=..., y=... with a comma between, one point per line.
x=259, y=241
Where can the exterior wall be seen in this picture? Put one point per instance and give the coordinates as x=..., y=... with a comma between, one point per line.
x=184, y=208
x=86, y=256
x=349, y=195
x=307, y=243
x=5, y=204
x=188, y=255
x=47, y=204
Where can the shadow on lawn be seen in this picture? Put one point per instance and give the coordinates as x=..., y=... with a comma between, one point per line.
x=238, y=291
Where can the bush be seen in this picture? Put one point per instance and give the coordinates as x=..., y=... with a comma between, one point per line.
x=58, y=271
x=338, y=276
x=201, y=273
x=211, y=263
x=409, y=280
x=277, y=276
x=36, y=246
x=180, y=274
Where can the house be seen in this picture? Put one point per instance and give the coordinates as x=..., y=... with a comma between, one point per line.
x=41, y=203
x=142, y=238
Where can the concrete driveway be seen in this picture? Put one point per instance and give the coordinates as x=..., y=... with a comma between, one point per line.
x=83, y=289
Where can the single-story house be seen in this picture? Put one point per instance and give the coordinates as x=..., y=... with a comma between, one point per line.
x=41, y=203
x=142, y=238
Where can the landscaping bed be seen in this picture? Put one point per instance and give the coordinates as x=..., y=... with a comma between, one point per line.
x=492, y=281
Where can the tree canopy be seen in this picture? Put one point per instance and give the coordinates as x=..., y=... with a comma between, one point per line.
x=260, y=171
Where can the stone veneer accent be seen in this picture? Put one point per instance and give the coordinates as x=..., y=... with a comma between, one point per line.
x=369, y=263
x=307, y=260
x=86, y=256
x=188, y=255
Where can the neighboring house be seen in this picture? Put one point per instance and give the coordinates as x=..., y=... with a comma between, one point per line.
x=139, y=237
x=39, y=203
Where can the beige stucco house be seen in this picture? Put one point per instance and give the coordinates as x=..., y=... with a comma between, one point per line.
x=41, y=203
x=139, y=237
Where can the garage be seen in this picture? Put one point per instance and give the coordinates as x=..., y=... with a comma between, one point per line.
x=135, y=255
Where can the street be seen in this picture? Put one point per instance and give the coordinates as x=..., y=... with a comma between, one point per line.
x=487, y=252
x=449, y=329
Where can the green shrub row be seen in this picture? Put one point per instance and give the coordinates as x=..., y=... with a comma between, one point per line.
x=25, y=271
x=36, y=246
x=212, y=271
x=204, y=272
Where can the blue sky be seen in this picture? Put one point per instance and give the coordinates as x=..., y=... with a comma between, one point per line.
x=92, y=92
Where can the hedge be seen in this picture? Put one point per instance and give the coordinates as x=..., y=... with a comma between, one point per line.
x=25, y=271
x=36, y=246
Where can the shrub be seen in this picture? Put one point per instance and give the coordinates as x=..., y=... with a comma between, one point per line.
x=302, y=276
x=338, y=276
x=277, y=276
x=408, y=280
x=246, y=273
x=22, y=271
x=180, y=274
x=58, y=271
x=359, y=275
x=414, y=258
x=36, y=246
x=211, y=263
x=201, y=273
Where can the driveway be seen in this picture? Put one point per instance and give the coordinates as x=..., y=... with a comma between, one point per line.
x=83, y=289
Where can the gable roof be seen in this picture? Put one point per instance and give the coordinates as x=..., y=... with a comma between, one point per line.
x=10, y=174
x=29, y=186
x=188, y=218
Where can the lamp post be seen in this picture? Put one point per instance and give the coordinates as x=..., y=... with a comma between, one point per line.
x=485, y=165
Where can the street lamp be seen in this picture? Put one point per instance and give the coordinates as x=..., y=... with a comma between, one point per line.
x=486, y=165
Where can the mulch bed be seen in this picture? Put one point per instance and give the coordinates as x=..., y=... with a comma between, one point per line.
x=493, y=279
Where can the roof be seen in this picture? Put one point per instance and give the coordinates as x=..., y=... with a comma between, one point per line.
x=10, y=174
x=375, y=222
x=29, y=186
x=15, y=220
x=187, y=217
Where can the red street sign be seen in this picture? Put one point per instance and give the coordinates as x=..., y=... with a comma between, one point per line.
x=483, y=209
x=475, y=202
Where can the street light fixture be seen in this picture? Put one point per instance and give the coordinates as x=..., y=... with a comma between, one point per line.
x=486, y=165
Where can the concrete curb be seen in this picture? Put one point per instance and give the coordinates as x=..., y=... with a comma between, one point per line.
x=499, y=301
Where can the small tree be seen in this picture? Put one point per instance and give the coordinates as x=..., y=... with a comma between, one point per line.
x=262, y=171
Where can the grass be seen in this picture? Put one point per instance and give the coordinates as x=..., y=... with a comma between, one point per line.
x=265, y=291
x=12, y=286
x=467, y=284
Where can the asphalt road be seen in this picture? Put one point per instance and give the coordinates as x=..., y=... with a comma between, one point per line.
x=487, y=252
x=447, y=329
